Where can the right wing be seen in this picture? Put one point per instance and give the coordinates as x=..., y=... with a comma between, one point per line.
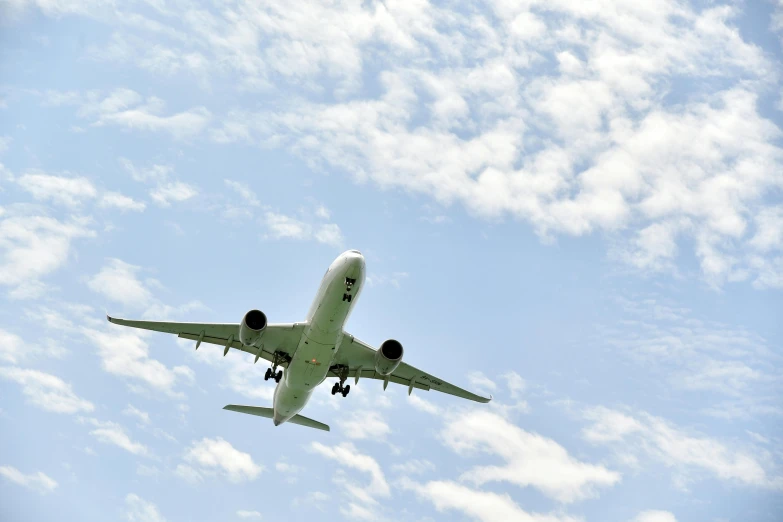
x=359, y=358
x=275, y=338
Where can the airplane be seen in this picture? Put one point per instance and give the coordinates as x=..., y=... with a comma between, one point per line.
x=312, y=350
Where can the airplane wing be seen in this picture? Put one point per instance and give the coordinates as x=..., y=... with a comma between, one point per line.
x=359, y=358
x=281, y=338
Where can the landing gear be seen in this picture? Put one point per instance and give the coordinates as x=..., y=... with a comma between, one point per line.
x=273, y=372
x=270, y=374
x=338, y=388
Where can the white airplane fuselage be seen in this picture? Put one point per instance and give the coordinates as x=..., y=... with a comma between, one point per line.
x=322, y=335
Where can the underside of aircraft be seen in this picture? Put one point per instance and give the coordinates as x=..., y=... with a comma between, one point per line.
x=304, y=354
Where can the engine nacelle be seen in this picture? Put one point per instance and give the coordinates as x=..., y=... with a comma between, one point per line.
x=388, y=357
x=252, y=326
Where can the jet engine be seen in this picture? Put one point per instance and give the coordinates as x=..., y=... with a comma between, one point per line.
x=252, y=325
x=388, y=357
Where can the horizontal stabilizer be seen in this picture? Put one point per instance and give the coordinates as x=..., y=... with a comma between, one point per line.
x=269, y=413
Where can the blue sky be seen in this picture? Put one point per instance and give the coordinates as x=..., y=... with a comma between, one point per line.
x=574, y=207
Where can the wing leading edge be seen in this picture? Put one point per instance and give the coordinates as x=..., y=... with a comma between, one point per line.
x=359, y=357
x=276, y=337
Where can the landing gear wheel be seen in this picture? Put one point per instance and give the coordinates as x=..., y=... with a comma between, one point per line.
x=279, y=375
x=346, y=390
x=268, y=374
x=335, y=388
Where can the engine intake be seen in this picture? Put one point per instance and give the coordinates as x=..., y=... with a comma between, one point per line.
x=252, y=326
x=388, y=357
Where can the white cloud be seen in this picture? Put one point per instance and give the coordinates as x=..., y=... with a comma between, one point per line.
x=361, y=501
x=365, y=425
x=423, y=404
x=156, y=173
x=680, y=349
x=127, y=355
x=177, y=191
x=244, y=192
x=133, y=411
x=654, y=516
x=139, y=510
x=121, y=202
x=64, y=190
x=280, y=226
x=112, y=433
x=479, y=380
x=644, y=434
x=515, y=383
x=117, y=281
x=248, y=514
x=33, y=246
x=530, y=459
x=211, y=456
x=414, y=467
x=39, y=481
x=11, y=346
x=46, y=391
x=478, y=505
x=127, y=108
x=589, y=147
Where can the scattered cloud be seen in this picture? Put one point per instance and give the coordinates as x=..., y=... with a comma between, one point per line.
x=155, y=173
x=394, y=279
x=127, y=355
x=359, y=499
x=592, y=145
x=244, y=192
x=423, y=404
x=530, y=459
x=481, y=381
x=683, y=350
x=414, y=467
x=11, y=346
x=46, y=391
x=248, y=514
x=114, y=434
x=654, y=516
x=209, y=457
x=365, y=425
x=177, y=191
x=121, y=202
x=280, y=226
x=139, y=510
x=68, y=191
x=646, y=435
x=478, y=505
x=128, y=109
x=117, y=281
x=32, y=247
x=141, y=416
x=39, y=481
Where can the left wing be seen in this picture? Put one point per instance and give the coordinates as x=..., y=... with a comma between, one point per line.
x=359, y=358
x=275, y=337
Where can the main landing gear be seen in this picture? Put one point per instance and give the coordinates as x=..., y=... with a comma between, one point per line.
x=338, y=388
x=270, y=374
x=273, y=373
